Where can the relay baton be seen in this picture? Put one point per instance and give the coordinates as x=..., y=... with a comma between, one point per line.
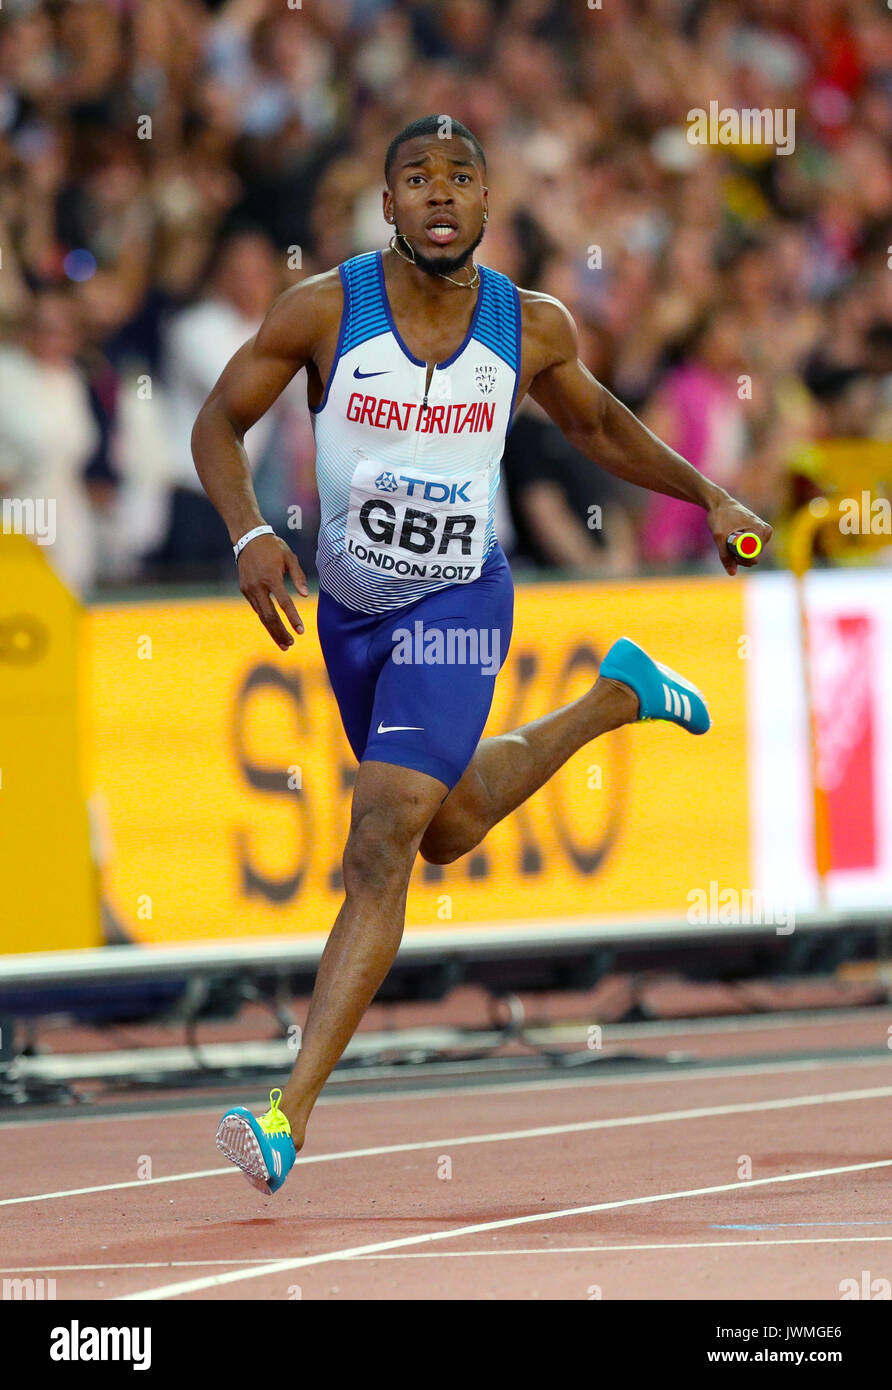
x=744, y=545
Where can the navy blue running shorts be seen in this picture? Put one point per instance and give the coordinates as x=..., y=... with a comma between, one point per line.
x=415, y=686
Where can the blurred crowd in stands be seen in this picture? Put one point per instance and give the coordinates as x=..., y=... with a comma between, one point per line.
x=168, y=166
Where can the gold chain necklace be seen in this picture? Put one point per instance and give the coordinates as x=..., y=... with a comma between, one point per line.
x=462, y=284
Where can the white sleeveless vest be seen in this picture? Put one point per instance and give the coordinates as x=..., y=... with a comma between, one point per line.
x=408, y=487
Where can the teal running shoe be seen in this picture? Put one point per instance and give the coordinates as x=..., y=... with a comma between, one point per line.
x=662, y=693
x=263, y=1149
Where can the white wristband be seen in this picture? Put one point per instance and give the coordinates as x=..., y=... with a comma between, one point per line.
x=249, y=536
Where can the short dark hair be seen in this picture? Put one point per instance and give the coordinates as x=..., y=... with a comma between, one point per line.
x=430, y=125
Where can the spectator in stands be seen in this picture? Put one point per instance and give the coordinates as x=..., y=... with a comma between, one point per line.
x=198, y=343
x=48, y=432
x=699, y=410
x=567, y=513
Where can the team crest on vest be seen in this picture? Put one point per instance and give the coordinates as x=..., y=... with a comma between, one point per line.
x=485, y=377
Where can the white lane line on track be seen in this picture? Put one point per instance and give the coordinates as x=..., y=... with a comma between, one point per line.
x=554, y=1081
x=458, y=1254
x=480, y=1228
x=116, y=1186
x=708, y=1112
x=137, y=1264
x=601, y=1249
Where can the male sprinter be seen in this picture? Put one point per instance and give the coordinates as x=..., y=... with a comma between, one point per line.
x=416, y=358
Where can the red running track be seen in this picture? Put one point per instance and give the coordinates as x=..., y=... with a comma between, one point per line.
x=766, y=1180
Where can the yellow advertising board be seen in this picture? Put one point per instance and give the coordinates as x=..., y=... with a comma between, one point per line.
x=50, y=894
x=224, y=777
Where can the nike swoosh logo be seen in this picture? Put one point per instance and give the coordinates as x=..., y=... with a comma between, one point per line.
x=394, y=728
x=361, y=376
